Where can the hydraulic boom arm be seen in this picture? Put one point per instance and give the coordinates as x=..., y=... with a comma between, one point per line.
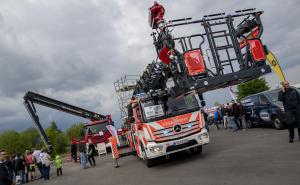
x=31, y=98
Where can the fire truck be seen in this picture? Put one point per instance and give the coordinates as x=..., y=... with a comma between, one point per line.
x=95, y=130
x=163, y=114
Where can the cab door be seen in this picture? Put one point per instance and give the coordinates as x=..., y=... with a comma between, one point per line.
x=138, y=131
x=264, y=108
x=252, y=108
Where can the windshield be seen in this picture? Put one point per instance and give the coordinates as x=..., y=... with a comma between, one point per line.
x=273, y=95
x=96, y=128
x=155, y=109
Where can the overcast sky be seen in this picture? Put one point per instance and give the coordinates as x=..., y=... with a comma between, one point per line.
x=73, y=50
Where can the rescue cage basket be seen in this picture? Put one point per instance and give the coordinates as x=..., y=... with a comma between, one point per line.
x=226, y=54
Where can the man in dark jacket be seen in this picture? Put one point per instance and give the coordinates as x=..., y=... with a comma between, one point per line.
x=82, y=152
x=291, y=101
x=19, y=167
x=6, y=178
x=91, y=153
x=74, y=150
x=236, y=114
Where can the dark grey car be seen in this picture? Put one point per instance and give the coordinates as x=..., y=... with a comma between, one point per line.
x=264, y=108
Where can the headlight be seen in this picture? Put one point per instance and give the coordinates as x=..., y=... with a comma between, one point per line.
x=203, y=136
x=155, y=149
x=282, y=109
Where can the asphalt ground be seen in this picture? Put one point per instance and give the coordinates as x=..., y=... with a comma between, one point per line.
x=255, y=156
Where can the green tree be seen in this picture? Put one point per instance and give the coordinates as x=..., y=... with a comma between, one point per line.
x=9, y=140
x=252, y=87
x=74, y=131
x=216, y=103
x=57, y=139
x=16, y=143
x=31, y=138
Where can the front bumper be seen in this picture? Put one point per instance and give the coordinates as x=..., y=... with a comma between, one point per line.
x=169, y=147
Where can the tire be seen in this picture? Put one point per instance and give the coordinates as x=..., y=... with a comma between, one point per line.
x=277, y=123
x=196, y=150
x=250, y=124
x=149, y=162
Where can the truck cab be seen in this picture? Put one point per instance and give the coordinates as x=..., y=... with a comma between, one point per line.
x=162, y=126
x=97, y=132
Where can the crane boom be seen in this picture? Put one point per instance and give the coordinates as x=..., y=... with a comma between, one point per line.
x=32, y=98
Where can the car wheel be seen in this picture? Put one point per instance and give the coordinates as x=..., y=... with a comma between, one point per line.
x=250, y=124
x=277, y=123
x=196, y=150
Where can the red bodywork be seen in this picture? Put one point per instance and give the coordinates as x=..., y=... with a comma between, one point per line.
x=194, y=62
x=257, y=50
x=156, y=14
x=252, y=35
x=164, y=55
x=256, y=47
x=96, y=138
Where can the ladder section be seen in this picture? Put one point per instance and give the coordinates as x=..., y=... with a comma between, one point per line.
x=124, y=89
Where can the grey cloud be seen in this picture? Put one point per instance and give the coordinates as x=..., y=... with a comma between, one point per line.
x=74, y=50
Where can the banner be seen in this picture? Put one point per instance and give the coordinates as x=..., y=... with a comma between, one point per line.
x=113, y=131
x=275, y=65
x=232, y=94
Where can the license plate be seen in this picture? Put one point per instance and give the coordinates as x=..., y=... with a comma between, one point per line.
x=180, y=142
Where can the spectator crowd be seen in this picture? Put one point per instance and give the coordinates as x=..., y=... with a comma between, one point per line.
x=27, y=167
x=230, y=115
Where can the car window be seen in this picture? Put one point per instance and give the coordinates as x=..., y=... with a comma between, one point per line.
x=273, y=95
x=250, y=101
x=263, y=100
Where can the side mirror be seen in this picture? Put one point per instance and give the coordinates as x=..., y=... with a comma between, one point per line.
x=203, y=103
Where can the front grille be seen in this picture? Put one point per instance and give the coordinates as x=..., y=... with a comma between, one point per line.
x=169, y=134
x=178, y=147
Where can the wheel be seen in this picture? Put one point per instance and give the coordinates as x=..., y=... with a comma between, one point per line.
x=149, y=162
x=277, y=123
x=196, y=150
x=250, y=124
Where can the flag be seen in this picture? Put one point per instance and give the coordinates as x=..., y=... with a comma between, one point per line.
x=275, y=65
x=113, y=131
x=232, y=94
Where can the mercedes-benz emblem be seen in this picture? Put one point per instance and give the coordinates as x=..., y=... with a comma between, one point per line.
x=177, y=128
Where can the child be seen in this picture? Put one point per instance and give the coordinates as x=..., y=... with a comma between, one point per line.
x=58, y=164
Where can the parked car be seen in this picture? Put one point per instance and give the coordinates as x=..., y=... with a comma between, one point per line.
x=264, y=108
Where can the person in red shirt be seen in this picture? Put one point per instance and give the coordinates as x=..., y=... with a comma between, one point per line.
x=30, y=165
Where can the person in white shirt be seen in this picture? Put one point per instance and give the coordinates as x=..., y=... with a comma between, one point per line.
x=46, y=161
x=36, y=154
